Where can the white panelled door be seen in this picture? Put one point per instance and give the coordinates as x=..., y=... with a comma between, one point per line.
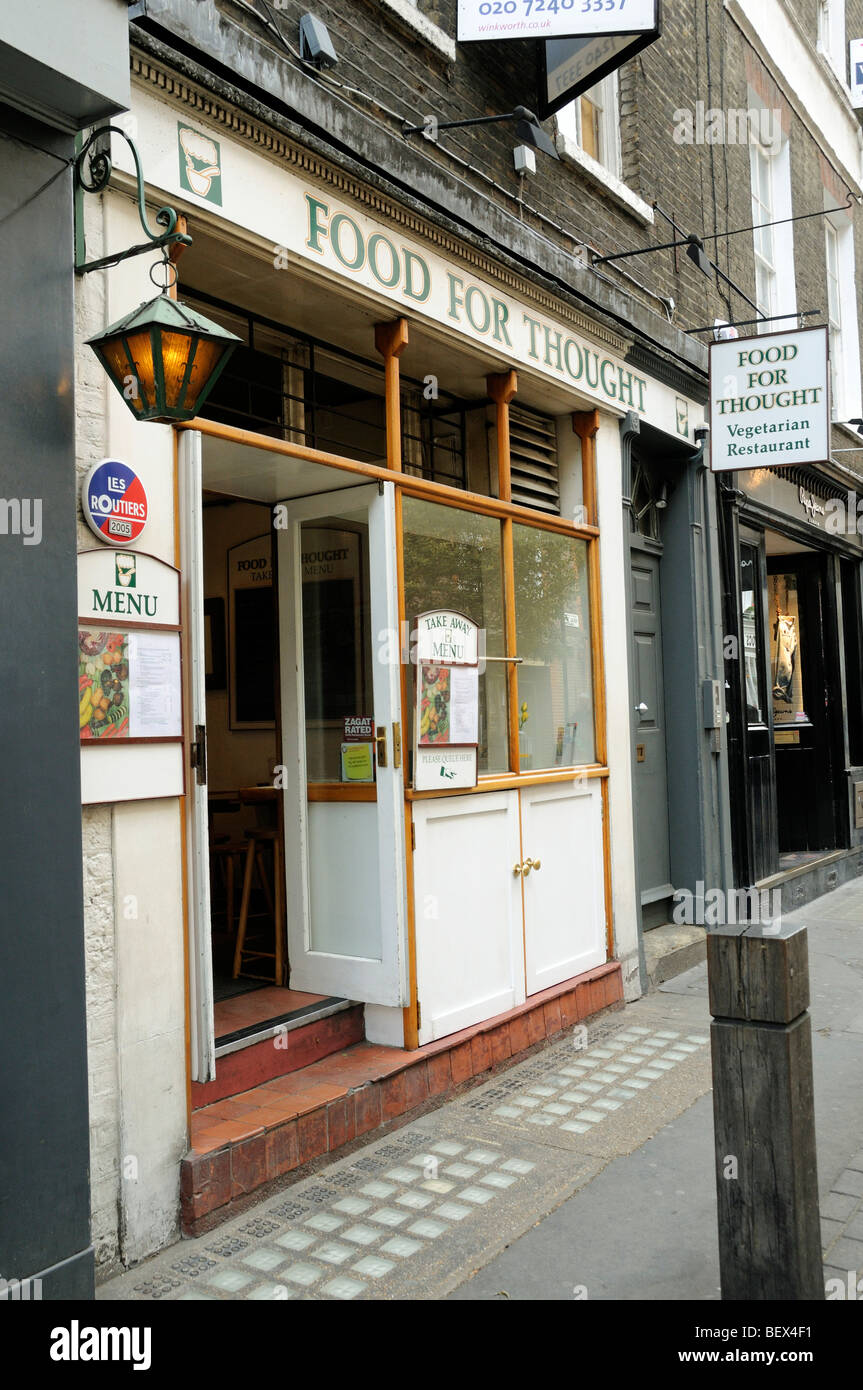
x=344, y=843
x=564, y=899
x=468, y=910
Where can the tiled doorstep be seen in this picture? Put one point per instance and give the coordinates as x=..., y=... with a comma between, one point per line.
x=240, y=1145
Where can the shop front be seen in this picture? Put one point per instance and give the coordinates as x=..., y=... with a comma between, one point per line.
x=795, y=739
x=405, y=811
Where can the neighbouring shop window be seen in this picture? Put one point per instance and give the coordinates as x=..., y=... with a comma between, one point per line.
x=853, y=637
x=750, y=610
x=452, y=559
x=555, y=677
x=787, y=653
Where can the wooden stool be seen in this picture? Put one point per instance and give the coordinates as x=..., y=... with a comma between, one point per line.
x=255, y=858
x=229, y=855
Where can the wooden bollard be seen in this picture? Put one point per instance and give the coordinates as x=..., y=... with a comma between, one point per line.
x=763, y=1109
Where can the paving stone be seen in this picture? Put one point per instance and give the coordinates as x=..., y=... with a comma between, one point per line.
x=838, y=1206
x=851, y=1182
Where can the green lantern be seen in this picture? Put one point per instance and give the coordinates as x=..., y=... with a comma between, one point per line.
x=164, y=358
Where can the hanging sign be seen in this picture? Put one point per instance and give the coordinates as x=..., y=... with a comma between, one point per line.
x=769, y=400
x=546, y=19
x=114, y=502
x=447, y=710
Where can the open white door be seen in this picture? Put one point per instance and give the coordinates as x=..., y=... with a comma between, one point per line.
x=344, y=837
x=203, y=1045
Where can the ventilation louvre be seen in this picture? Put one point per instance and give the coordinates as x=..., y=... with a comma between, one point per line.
x=533, y=451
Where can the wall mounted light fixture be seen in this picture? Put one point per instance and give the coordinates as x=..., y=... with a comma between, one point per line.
x=163, y=357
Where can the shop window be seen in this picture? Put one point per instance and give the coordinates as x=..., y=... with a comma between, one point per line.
x=555, y=675
x=753, y=637
x=533, y=453
x=434, y=437
x=295, y=388
x=787, y=654
x=853, y=639
x=452, y=559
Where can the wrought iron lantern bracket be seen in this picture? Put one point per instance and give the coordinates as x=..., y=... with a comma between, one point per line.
x=95, y=180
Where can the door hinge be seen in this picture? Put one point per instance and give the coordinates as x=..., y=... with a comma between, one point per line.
x=198, y=755
x=419, y=1016
x=413, y=835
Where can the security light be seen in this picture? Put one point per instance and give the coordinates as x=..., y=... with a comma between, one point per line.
x=695, y=251
x=316, y=46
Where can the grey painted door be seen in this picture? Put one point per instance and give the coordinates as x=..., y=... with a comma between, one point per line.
x=650, y=776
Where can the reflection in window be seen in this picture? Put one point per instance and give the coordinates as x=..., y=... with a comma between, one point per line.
x=555, y=677
x=751, y=643
x=452, y=559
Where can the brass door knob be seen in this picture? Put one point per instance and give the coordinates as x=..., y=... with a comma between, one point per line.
x=517, y=869
x=532, y=864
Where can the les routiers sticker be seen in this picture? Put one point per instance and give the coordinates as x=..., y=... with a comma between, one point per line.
x=114, y=502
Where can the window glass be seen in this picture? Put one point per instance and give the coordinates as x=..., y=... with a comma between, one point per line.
x=752, y=638
x=555, y=677
x=452, y=559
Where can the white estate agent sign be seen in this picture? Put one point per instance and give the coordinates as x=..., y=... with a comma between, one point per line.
x=769, y=400
x=546, y=19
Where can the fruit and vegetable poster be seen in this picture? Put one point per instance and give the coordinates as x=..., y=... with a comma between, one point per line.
x=449, y=704
x=128, y=685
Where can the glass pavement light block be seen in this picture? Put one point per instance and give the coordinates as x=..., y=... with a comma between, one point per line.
x=373, y=1267
x=602, y=1052
x=527, y=1102
x=666, y=1034
x=478, y=1195
x=576, y=1127
x=635, y=1084
x=461, y=1170
x=264, y=1260
x=540, y=1090
x=352, y=1206
x=621, y=1093
x=617, y=1069
x=452, y=1211
x=422, y=1160
x=500, y=1180
x=556, y=1108
x=508, y=1112
x=381, y=1190
x=343, y=1287
x=517, y=1165
x=401, y=1246
x=541, y=1119
x=417, y=1201
x=333, y=1254
x=302, y=1274
x=483, y=1156
x=591, y=1117
x=295, y=1240
x=577, y=1097
x=661, y=1064
x=438, y=1185
x=696, y=1038
x=609, y=1077
x=430, y=1230
x=269, y=1293
x=604, y=1104
x=403, y=1174
x=388, y=1216
x=325, y=1222
x=229, y=1280
x=649, y=1074
x=360, y=1235
x=446, y=1146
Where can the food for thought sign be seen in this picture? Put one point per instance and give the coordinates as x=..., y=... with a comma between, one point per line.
x=769, y=400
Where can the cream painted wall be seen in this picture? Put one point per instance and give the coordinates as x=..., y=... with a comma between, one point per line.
x=614, y=565
x=151, y=1025
x=133, y=898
